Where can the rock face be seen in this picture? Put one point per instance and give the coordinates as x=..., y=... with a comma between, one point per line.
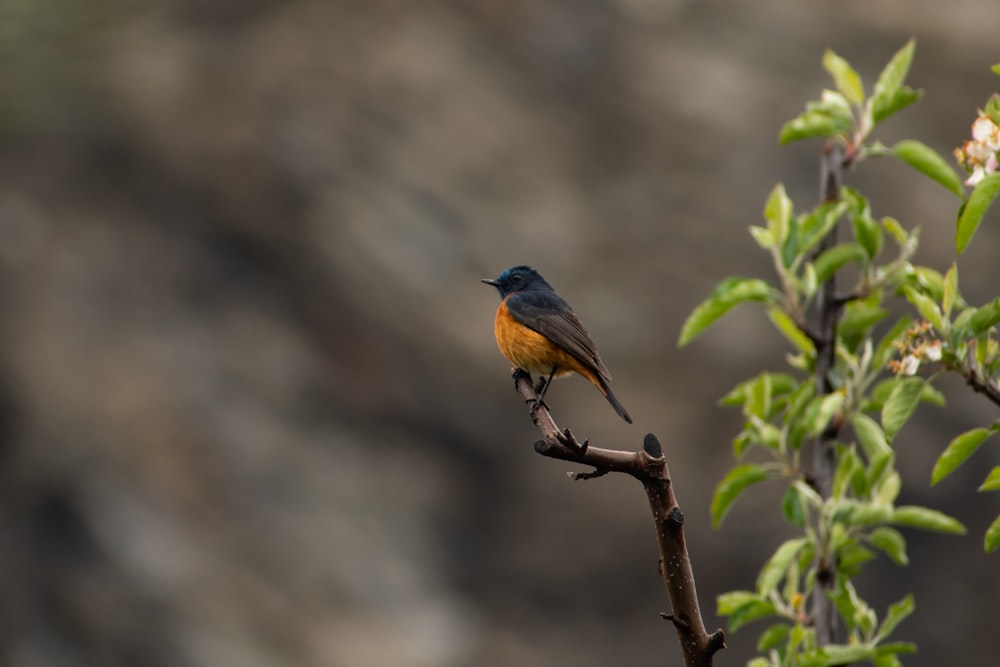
x=251, y=411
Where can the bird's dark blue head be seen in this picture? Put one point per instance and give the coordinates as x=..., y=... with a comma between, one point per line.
x=517, y=279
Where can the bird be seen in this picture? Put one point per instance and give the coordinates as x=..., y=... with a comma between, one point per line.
x=538, y=332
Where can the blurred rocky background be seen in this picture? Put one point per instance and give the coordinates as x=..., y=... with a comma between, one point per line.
x=251, y=410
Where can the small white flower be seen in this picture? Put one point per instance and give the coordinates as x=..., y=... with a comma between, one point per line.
x=932, y=351
x=909, y=365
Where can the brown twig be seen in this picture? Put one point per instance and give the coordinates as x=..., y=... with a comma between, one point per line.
x=649, y=466
x=975, y=378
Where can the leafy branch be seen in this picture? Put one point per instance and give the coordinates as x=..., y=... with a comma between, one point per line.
x=853, y=382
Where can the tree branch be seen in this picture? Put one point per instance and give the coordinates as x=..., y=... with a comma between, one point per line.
x=649, y=466
x=830, y=306
x=975, y=379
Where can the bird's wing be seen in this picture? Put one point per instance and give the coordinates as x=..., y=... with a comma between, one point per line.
x=548, y=314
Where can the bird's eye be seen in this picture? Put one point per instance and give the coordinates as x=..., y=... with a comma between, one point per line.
x=515, y=278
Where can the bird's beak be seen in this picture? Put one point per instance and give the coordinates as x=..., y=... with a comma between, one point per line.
x=490, y=281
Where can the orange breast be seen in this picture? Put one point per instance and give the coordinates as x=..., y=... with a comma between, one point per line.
x=531, y=351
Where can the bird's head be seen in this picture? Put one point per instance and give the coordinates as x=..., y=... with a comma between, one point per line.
x=516, y=279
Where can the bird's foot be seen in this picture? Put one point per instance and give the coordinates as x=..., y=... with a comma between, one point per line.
x=535, y=404
x=518, y=373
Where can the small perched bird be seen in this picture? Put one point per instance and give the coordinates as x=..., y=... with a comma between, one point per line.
x=537, y=331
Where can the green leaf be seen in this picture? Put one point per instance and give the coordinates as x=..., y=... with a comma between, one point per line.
x=880, y=660
x=930, y=280
x=762, y=236
x=950, y=290
x=984, y=318
x=992, y=481
x=995, y=68
x=992, y=539
x=749, y=612
x=888, y=490
x=870, y=436
x=845, y=77
x=959, y=449
x=927, y=519
x=728, y=294
x=897, y=101
x=846, y=467
x=832, y=655
x=974, y=208
x=792, y=508
x=892, y=542
x=834, y=258
x=821, y=411
x=895, y=229
x=925, y=159
x=778, y=212
x=784, y=324
x=731, y=486
x=890, y=649
x=889, y=94
x=727, y=603
x=877, y=467
x=868, y=233
x=742, y=607
x=771, y=637
x=851, y=557
x=894, y=73
x=814, y=123
x=926, y=307
x=900, y=405
x=781, y=384
x=897, y=613
x=859, y=318
x=774, y=570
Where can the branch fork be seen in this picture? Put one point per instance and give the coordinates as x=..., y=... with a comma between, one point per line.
x=649, y=466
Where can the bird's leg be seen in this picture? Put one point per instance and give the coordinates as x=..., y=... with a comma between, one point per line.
x=541, y=388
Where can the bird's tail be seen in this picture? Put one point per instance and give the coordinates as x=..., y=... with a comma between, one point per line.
x=602, y=384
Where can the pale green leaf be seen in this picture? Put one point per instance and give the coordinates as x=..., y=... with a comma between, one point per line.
x=778, y=212
x=870, y=435
x=897, y=613
x=847, y=80
x=728, y=294
x=992, y=481
x=892, y=542
x=983, y=318
x=992, y=539
x=889, y=94
x=895, y=229
x=925, y=159
x=950, y=290
x=821, y=412
x=731, y=486
x=900, y=405
x=762, y=236
x=957, y=451
x=774, y=570
x=727, y=603
x=770, y=638
x=974, y=208
x=927, y=519
x=814, y=123
x=834, y=258
x=791, y=331
x=926, y=307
